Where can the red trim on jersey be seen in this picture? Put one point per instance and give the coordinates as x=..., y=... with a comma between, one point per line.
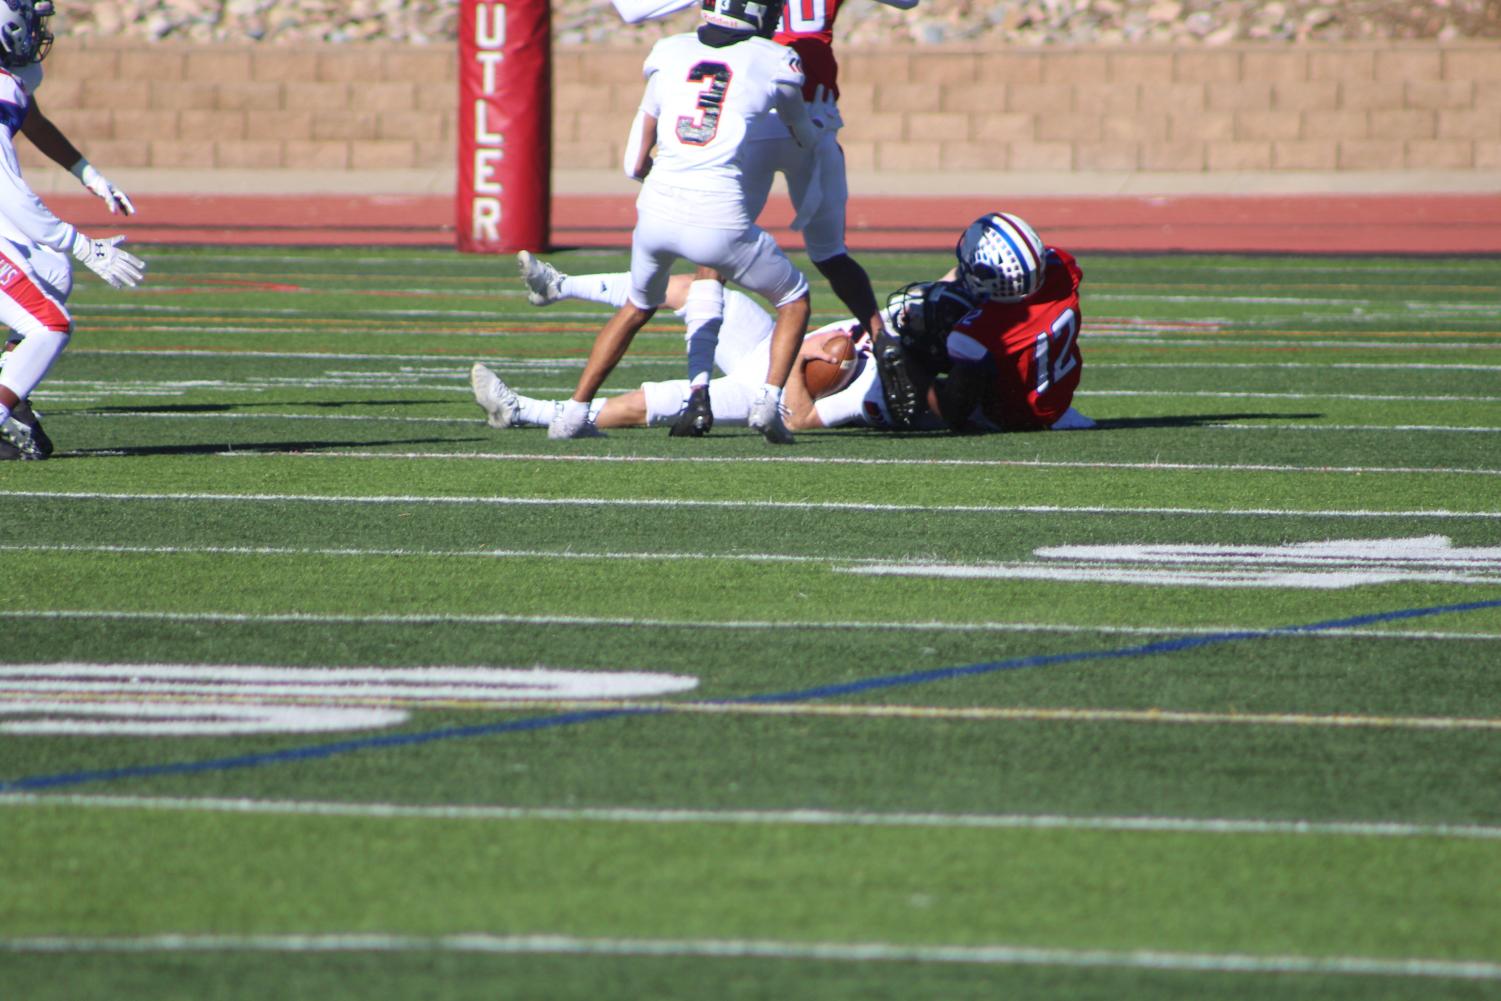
x=17, y=284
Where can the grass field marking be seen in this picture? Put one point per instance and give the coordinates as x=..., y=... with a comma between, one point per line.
x=849, y=952
x=257, y=704
x=565, y=554
x=62, y=698
x=1280, y=365
x=1226, y=394
x=1380, y=428
x=146, y=699
x=1210, y=826
x=919, y=463
x=1228, y=342
x=309, y=752
x=762, y=505
x=618, y=622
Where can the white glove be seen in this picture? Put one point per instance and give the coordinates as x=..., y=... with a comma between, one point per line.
x=100, y=185
x=823, y=111
x=108, y=261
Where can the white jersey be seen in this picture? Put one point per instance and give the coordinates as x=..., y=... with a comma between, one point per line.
x=24, y=220
x=705, y=100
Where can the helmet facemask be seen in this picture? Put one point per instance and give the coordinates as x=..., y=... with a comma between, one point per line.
x=24, y=38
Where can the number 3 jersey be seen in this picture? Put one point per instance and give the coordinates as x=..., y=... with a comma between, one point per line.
x=705, y=98
x=1035, y=348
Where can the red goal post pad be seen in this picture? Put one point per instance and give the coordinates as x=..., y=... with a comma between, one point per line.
x=504, y=125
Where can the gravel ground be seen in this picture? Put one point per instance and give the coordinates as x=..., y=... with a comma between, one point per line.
x=862, y=23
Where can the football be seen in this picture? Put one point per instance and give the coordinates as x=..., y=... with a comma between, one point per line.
x=823, y=378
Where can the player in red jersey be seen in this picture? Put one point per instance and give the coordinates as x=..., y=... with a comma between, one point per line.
x=1012, y=362
x=1016, y=364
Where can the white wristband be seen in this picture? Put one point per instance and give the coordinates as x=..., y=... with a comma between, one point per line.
x=77, y=170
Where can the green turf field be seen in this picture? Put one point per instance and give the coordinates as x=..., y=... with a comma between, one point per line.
x=314, y=686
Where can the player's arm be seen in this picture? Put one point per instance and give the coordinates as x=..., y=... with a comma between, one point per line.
x=638, y=146
x=793, y=111
x=954, y=395
x=801, y=414
x=49, y=139
x=636, y=11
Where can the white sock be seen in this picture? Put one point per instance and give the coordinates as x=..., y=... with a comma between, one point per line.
x=574, y=411
x=608, y=289
x=534, y=413
x=703, y=312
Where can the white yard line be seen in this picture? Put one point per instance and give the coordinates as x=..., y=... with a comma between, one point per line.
x=796, y=818
x=843, y=952
x=739, y=505
x=272, y=618
x=850, y=461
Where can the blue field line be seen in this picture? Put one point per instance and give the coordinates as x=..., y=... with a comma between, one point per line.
x=320, y=751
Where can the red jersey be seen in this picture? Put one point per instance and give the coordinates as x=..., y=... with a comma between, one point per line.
x=1035, y=347
x=808, y=27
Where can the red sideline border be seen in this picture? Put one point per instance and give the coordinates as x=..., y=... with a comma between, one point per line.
x=1305, y=224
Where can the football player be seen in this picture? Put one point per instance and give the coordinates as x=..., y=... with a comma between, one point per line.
x=816, y=182
x=692, y=202
x=924, y=316
x=1013, y=362
x=36, y=276
x=742, y=353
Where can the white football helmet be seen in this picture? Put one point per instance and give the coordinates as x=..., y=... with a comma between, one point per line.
x=757, y=17
x=24, y=38
x=1001, y=258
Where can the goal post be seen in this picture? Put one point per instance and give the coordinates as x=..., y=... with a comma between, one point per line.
x=503, y=193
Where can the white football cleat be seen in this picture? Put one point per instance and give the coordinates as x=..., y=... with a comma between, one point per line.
x=766, y=417
x=1072, y=420
x=577, y=425
x=496, y=398
x=544, y=283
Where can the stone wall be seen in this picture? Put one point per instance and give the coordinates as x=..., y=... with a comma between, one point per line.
x=1351, y=107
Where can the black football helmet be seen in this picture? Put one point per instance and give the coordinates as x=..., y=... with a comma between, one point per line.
x=923, y=313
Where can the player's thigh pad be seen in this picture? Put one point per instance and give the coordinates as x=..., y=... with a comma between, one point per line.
x=27, y=302
x=757, y=263
x=653, y=253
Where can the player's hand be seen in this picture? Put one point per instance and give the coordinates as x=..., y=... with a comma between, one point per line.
x=100, y=185
x=108, y=261
x=823, y=111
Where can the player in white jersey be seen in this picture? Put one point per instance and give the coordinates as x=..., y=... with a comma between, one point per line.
x=816, y=182
x=36, y=276
x=703, y=92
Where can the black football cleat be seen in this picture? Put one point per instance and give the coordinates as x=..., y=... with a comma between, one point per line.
x=697, y=418
x=23, y=432
x=896, y=379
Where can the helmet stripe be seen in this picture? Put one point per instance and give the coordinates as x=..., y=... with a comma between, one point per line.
x=1024, y=253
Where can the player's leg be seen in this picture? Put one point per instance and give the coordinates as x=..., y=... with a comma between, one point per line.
x=703, y=315
x=823, y=178
x=35, y=313
x=663, y=402
x=759, y=264
x=652, y=257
